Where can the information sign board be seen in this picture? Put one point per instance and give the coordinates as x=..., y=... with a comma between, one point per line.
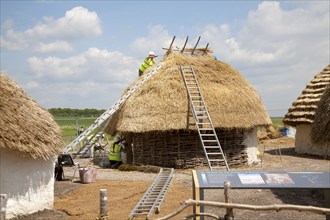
x=264, y=179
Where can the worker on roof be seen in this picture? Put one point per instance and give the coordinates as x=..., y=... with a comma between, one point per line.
x=149, y=61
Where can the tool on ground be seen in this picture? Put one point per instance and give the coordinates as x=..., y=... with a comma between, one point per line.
x=152, y=199
x=211, y=145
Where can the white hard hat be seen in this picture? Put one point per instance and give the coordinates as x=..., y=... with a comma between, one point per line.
x=152, y=54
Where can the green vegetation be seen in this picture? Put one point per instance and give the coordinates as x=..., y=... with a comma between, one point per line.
x=70, y=120
x=69, y=112
x=69, y=125
x=277, y=122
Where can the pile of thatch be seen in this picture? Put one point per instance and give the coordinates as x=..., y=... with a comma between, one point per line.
x=269, y=133
x=321, y=127
x=24, y=125
x=304, y=108
x=161, y=103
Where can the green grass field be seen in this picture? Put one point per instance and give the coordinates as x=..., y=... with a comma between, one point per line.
x=277, y=122
x=69, y=125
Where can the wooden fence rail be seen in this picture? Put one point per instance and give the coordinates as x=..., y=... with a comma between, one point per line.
x=275, y=207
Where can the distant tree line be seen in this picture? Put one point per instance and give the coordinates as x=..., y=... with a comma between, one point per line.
x=76, y=112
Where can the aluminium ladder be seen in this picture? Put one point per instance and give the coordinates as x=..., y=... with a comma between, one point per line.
x=152, y=199
x=211, y=145
x=100, y=121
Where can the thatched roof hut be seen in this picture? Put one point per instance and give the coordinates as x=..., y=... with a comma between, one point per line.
x=302, y=115
x=29, y=141
x=25, y=126
x=321, y=127
x=161, y=104
x=303, y=109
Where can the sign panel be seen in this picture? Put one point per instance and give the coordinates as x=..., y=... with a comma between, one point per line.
x=264, y=179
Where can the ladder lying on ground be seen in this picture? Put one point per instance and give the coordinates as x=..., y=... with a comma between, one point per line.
x=211, y=145
x=100, y=121
x=151, y=200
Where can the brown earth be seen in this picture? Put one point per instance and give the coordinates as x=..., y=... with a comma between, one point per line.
x=74, y=200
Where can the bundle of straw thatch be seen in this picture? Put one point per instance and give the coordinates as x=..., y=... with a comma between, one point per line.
x=161, y=103
x=303, y=109
x=24, y=125
x=321, y=127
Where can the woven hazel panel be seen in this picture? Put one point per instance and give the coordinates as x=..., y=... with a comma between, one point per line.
x=184, y=150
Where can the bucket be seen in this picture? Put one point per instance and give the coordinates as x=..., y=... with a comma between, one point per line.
x=87, y=175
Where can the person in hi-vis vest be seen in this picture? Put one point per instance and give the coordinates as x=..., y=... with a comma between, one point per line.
x=115, y=153
x=149, y=61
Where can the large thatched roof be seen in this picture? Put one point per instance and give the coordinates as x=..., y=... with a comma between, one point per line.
x=303, y=109
x=24, y=125
x=161, y=103
x=321, y=127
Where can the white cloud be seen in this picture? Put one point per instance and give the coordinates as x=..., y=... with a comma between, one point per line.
x=13, y=40
x=273, y=36
x=78, y=23
x=95, y=76
x=57, y=46
x=94, y=63
x=158, y=37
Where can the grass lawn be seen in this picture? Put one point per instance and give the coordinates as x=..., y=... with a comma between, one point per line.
x=277, y=122
x=69, y=125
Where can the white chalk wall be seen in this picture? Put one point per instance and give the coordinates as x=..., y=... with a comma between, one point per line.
x=304, y=145
x=251, y=144
x=29, y=183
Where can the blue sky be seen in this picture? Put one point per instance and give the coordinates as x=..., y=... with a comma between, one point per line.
x=83, y=54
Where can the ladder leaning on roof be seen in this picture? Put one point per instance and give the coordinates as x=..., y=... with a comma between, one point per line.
x=211, y=145
x=100, y=121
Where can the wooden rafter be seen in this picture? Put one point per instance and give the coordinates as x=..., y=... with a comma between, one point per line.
x=196, y=45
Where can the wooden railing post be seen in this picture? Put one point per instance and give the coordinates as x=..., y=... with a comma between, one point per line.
x=103, y=204
x=229, y=211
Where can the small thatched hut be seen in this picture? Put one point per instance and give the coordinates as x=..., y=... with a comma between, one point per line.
x=302, y=115
x=157, y=119
x=321, y=126
x=29, y=140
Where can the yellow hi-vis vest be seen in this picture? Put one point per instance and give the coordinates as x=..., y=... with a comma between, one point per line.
x=115, y=152
x=146, y=63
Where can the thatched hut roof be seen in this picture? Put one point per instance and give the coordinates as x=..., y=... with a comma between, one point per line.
x=303, y=109
x=321, y=127
x=161, y=103
x=24, y=125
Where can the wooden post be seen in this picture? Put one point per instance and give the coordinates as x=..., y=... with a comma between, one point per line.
x=327, y=201
x=192, y=53
x=229, y=211
x=184, y=46
x=196, y=194
x=103, y=204
x=3, y=203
